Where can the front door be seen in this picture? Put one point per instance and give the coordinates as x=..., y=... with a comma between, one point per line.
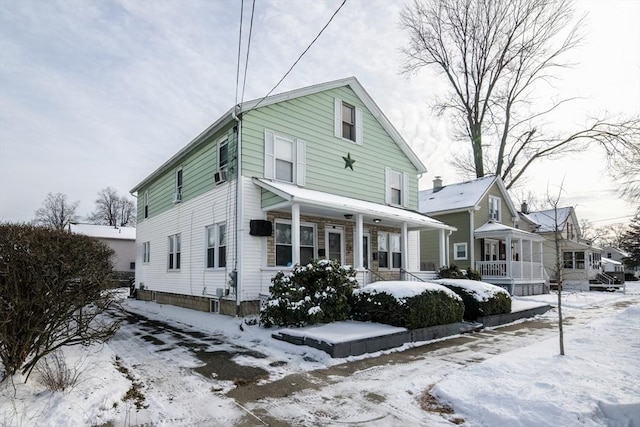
x=335, y=243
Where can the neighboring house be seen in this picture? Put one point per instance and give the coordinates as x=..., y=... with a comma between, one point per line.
x=317, y=172
x=617, y=254
x=580, y=261
x=487, y=237
x=121, y=239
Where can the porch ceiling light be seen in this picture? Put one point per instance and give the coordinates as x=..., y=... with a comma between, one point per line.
x=377, y=220
x=348, y=216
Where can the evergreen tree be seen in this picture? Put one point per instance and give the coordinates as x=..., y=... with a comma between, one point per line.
x=631, y=242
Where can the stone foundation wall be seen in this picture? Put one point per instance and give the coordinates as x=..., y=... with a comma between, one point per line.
x=227, y=307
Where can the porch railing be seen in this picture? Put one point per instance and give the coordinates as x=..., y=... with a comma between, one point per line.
x=518, y=269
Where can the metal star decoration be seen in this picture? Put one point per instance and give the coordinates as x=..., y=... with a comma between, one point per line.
x=348, y=161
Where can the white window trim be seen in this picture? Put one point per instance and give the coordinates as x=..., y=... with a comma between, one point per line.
x=174, y=238
x=404, y=190
x=455, y=251
x=337, y=107
x=146, y=252
x=299, y=157
x=216, y=246
x=179, y=185
x=222, y=142
x=499, y=207
x=302, y=224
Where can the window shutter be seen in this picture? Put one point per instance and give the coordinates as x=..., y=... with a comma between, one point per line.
x=269, y=155
x=301, y=162
x=405, y=189
x=337, y=114
x=359, y=127
x=387, y=185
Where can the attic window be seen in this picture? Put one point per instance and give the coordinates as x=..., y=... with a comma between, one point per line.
x=348, y=122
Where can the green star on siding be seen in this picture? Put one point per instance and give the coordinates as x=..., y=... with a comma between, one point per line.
x=348, y=161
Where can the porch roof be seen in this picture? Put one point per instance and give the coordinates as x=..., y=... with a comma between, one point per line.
x=495, y=230
x=320, y=203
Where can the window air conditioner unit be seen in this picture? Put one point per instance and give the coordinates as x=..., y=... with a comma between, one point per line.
x=177, y=198
x=219, y=292
x=220, y=176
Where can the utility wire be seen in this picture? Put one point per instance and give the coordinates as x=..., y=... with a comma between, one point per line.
x=300, y=57
x=246, y=62
x=239, y=46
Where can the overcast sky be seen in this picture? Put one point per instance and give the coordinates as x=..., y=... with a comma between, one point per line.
x=101, y=93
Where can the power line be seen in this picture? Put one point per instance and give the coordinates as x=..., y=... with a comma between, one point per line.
x=239, y=46
x=246, y=63
x=300, y=57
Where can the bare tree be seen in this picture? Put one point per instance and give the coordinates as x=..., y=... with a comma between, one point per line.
x=112, y=209
x=495, y=54
x=625, y=168
x=56, y=212
x=52, y=294
x=558, y=224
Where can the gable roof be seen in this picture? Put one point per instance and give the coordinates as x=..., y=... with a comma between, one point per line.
x=546, y=219
x=461, y=196
x=247, y=106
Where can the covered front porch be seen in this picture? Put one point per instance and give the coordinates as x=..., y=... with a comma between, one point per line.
x=378, y=241
x=511, y=258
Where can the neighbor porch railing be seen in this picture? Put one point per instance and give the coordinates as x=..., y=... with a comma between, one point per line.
x=516, y=270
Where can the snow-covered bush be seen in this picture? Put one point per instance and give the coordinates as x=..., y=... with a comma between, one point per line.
x=410, y=305
x=480, y=298
x=314, y=293
x=453, y=272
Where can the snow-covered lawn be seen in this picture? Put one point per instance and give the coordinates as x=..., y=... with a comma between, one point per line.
x=506, y=376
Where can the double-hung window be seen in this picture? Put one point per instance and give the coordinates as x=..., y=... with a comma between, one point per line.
x=145, y=203
x=348, y=122
x=174, y=252
x=217, y=246
x=223, y=153
x=396, y=187
x=146, y=252
x=494, y=208
x=389, y=252
x=284, y=158
x=460, y=251
x=178, y=194
x=574, y=260
x=284, y=246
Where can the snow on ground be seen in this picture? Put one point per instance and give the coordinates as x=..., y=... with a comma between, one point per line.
x=501, y=376
x=339, y=332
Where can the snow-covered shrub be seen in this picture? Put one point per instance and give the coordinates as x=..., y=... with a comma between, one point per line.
x=314, y=293
x=453, y=272
x=410, y=305
x=480, y=298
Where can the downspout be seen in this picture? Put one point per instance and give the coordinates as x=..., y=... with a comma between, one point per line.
x=239, y=218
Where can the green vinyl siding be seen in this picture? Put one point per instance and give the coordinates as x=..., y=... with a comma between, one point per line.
x=482, y=216
x=198, y=168
x=270, y=199
x=430, y=243
x=311, y=119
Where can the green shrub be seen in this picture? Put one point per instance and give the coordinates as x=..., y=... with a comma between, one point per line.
x=315, y=293
x=453, y=272
x=475, y=305
x=429, y=308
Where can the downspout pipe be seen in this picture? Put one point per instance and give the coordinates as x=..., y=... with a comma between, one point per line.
x=239, y=219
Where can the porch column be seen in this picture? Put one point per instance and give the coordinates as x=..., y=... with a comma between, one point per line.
x=357, y=250
x=295, y=234
x=443, y=249
x=531, y=258
x=509, y=256
x=405, y=246
x=520, y=256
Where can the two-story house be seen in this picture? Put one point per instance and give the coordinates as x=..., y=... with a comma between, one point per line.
x=580, y=261
x=487, y=237
x=314, y=173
